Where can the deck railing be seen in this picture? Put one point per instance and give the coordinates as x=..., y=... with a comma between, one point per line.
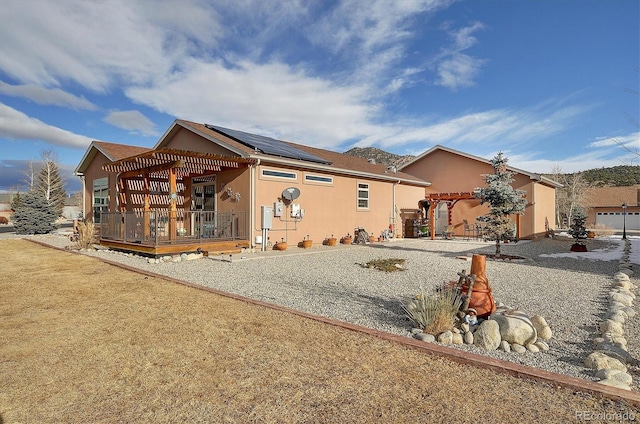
x=162, y=227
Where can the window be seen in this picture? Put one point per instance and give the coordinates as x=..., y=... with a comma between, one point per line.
x=363, y=196
x=100, y=198
x=318, y=179
x=279, y=174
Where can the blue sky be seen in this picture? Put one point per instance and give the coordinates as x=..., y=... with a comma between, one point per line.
x=550, y=83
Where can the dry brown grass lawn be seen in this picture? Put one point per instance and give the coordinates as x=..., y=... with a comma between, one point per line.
x=86, y=342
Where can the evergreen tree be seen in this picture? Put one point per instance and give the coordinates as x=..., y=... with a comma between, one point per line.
x=503, y=201
x=33, y=214
x=49, y=183
x=578, y=230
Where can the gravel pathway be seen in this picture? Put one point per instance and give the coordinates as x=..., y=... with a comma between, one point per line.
x=569, y=292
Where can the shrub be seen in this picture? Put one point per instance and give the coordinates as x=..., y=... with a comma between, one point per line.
x=602, y=230
x=4, y=220
x=435, y=312
x=33, y=215
x=85, y=234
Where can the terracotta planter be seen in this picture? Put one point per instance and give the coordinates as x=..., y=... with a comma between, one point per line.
x=379, y=239
x=306, y=244
x=372, y=239
x=346, y=240
x=280, y=246
x=332, y=241
x=591, y=234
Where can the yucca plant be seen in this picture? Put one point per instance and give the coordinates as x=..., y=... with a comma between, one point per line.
x=435, y=312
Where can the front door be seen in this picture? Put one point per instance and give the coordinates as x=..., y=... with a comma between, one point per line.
x=442, y=217
x=203, y=205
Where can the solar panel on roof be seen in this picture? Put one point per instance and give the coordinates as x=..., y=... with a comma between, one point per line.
x=268, y=145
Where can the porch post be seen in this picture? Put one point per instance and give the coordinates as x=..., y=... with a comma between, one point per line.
x=186, y=206
x=432, y=218
x=122, y=194
x=173, y=198
x=146, y=216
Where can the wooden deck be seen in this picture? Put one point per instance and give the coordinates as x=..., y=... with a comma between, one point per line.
x=212, y=247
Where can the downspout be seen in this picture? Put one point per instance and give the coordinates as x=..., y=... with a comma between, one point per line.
x=396, y=230
x=252, y=203
x=84, y=196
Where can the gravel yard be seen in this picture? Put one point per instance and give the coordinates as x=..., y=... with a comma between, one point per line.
x=568, y=291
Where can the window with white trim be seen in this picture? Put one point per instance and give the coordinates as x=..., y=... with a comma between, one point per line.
x=279, y=174
x=100, y=198
x=363, y=196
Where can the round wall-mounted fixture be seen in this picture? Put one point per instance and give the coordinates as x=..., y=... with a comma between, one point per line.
x=291, y=193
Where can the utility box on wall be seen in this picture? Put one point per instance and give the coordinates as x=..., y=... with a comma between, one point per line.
x=278, y=208
x=267, y=217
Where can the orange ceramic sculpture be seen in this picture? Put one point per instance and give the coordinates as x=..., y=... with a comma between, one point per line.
x=481, y=297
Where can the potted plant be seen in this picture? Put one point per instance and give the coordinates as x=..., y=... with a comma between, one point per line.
x=346, y=239
x=330, y=241
x=307, y=243
x=280, y=245
x=578, y=230
x=372, y=239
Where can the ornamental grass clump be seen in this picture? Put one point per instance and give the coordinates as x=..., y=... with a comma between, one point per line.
x=437, y=311
x=85, y=234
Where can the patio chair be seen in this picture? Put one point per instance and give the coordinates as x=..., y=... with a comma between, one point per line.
x=469, y=231
x=447, y=234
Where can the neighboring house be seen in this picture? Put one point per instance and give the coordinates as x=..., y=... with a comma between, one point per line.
x=454, y=178
x=219, y=188
x=604, y=207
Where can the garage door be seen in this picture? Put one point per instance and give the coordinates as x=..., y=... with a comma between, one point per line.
x=615, y=220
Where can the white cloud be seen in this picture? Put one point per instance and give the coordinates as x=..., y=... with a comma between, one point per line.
x=18, y=126
x=381, y=23
x=630, y=141
x=456, y=69
x=46, y=96
x=131, y=120
x=272, y=98
x=492, y=127
x=100, y=44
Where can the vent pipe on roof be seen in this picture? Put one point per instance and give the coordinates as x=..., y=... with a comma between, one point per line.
x=371, y=160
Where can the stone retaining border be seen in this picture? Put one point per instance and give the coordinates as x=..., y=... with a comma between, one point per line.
x=610, y=357
x=462, y=357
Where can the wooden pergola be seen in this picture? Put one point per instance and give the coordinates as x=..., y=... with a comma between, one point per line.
x=432, y=199
x=162, y=179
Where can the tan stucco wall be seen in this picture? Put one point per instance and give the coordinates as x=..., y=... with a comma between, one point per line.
x=449, y=173
x=330, y=209
x=93, y=172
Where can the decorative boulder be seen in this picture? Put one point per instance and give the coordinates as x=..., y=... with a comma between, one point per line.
x=515, y=327
x=457, y=338
x=487, y=336
x=425, y=337
x=600, y=361
x=445, y=338
x=468, y=337
x=518, y=348
x=612, y=327
x=541, y=326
